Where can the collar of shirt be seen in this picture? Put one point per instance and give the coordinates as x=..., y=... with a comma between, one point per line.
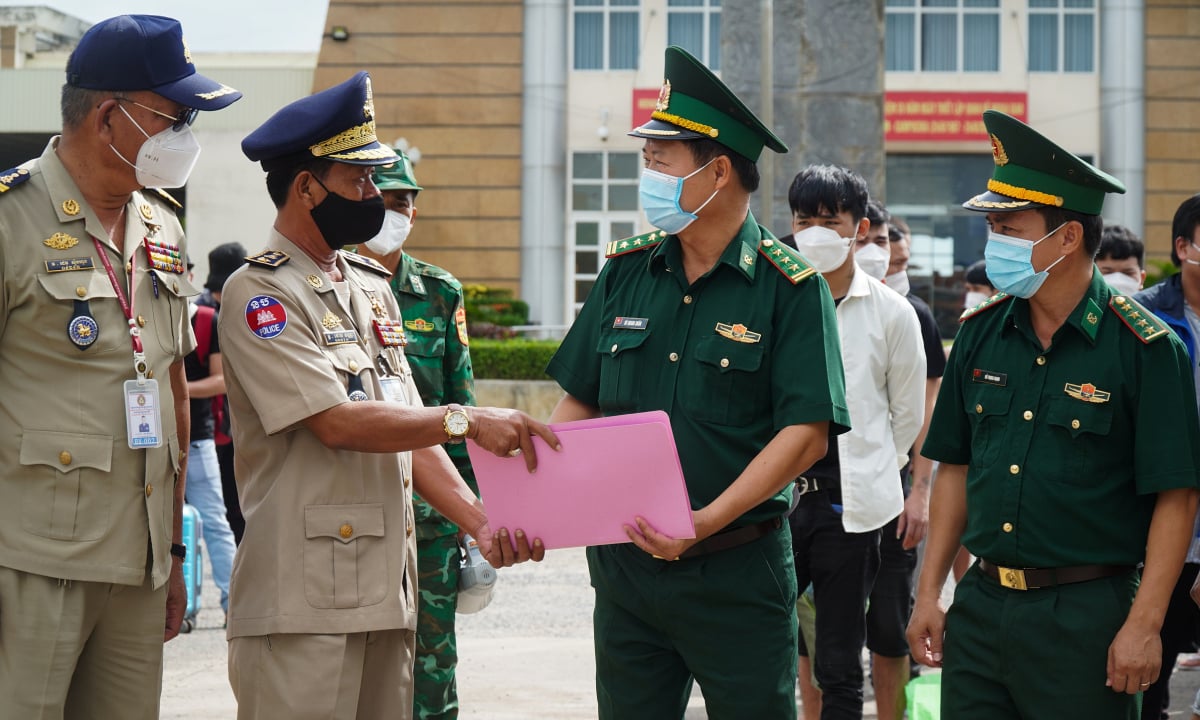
x=400, y=279
x=741, y=253
x=1086, y=318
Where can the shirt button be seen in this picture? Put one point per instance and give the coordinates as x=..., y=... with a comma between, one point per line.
x=1014, y=469
x=64, y=457
x=687, y=299
x=614, y=348
x=353, y=366
x=141, y=321
x=978, y=409
x=81, y=291
x=129, y=267
x=1028, y=415
x=149, y=489
x=407, y=480
x=409, y=530
x=1007, y=527
x=1041, y=359
x=346, y=531
x=724, y=362
x=674, y=357
x=1075, y=424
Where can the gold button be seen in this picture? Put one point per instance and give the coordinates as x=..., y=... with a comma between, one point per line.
x=353, y=366
x=410, y=529
x=150, y=373
x=1008, y=527
x=64, y=457
x=175, y=286
x=1074, y=424
x=674, y=357
x=687, y=299
x=1014, y=469
x=346, y=531
x=1028, y=415
x=141, y=321
x=149, y=489
x=129, y=266
x=614, y=348
x=978, y=408
x=1041, y=360
x=768, y=243
x=724, y=362
x=81, y=291
x=407, y=480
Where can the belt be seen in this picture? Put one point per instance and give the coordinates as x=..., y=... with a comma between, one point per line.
x=1034, y=578
x=727, y=539
x=806, y=485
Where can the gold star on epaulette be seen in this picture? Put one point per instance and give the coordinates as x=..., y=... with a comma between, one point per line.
x=786, y=260
x=363, y=261
x=991, y=302
x=269, y=259
x=634, y=244
x=1143, y=323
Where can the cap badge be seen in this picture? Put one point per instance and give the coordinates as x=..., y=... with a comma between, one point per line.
x=70, y=207
x=369, y=105
x=998, y=155
x=664, y=96
x=187, y=54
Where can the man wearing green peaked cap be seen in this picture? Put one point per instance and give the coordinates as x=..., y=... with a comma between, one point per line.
x=708, y=318
x=1058, y=428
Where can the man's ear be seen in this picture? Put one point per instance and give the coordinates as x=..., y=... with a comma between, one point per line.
x=860, y=233
x=102, y=119
x=303, y=188
x=413, y=219
x=1072, y=236
x=723, y=170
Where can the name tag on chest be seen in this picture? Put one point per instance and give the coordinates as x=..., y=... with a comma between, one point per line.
x=340, y=337
x=989, y=377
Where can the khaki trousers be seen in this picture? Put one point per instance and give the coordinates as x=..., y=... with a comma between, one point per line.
x=79, y=650
x=363, y=676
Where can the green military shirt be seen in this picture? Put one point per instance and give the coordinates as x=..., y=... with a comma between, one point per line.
x=435, y=324
x=735, y=357
x=1066, y=447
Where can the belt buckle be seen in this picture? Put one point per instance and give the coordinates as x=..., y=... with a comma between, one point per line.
x=1012, y=578
x=806, y=485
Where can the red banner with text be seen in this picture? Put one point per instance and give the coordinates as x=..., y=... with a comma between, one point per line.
x=946, y=116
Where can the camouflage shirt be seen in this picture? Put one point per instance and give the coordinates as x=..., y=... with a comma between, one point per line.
x=435, y=323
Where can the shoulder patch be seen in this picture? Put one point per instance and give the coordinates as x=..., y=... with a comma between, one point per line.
x=269, y=259
x=13, y=177
x=167, y=198
x=363, y=261
x=786, y=260
x=634, y=244
x=1138, y=319
x=988, y=304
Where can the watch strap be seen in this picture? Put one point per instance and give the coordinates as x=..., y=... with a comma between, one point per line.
x=179, y=551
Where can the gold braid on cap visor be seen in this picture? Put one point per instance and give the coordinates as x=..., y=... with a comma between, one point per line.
x=355, y=137
x=685, y=123
x=1022, y=194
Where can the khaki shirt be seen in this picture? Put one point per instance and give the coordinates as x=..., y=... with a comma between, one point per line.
x=328, y=546
x=78, y=502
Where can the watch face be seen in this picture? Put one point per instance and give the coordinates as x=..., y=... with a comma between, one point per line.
x=457, y=423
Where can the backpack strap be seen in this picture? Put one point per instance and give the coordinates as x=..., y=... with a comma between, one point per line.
x=203, y=326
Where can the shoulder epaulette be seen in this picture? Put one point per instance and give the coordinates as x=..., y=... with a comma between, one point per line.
x=786, y=260
x=988, y=304
x=430, y=270
x=12, y=178
x=167, y=198
x=365, y=262
x=270, y=259
x=1142, y=322
x=634, y=244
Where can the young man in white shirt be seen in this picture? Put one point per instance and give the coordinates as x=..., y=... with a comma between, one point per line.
x=847, y=496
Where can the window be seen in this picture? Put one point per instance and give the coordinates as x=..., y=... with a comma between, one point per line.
x=606, y=34
x=695, y=26
x=1062, y=35
x=943, y=35
x=604, y=207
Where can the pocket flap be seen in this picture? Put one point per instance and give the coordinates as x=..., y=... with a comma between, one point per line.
x=177, y=285
x=66, y=451
x=348, y=358
x=1078, y=417
x=343, y=522
x=987, y=401
x=729, y=355
x=77, y=285
x=615, y=343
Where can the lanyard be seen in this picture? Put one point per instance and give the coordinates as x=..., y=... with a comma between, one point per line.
x=139, y=357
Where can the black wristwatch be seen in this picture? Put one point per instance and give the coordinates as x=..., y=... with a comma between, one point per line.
x=179, y=551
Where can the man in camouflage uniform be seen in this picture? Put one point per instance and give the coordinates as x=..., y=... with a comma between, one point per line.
x=435, y=324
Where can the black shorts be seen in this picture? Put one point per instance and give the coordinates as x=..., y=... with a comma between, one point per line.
x=891, y=600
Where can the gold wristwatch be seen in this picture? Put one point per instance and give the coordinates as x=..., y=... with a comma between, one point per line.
x=456, y=423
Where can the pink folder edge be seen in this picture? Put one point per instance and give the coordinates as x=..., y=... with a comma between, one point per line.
x=607, y=488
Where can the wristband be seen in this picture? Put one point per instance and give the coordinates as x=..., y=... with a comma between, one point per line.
x=179, y=551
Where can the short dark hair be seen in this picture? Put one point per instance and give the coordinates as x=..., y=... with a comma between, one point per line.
x=1119, y=242
x=704, y=150
x=877, y=213
x=897, y=223
x=1187, y=217
x=76, y=103
x=1093, y=225
x=832, y=188
x=278, y=181
x=976, y=274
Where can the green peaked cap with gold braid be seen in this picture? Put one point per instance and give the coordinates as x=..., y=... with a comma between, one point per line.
x=1032, y=172
x=693, y=104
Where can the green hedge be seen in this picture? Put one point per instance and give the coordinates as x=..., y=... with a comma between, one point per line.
x=515, y=359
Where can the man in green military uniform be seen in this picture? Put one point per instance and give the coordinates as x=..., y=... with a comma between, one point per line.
x=732, y=334
x=1058, y=429
x=435, y=326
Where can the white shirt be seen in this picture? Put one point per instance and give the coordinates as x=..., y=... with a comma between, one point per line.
x=884, y=360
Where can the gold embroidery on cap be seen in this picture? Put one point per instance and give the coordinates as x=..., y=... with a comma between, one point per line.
x=223, y=90
x=369, y=105
x=187, y=54
x=346, y=140
x=1022, y=193
x=685, y=123
x=664, y=96
x=998, y=155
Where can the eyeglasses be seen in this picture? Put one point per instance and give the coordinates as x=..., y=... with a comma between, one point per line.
x=186, y=116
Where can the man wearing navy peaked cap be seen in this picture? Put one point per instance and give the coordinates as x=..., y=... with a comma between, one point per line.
x=323, y=604
x=93, y=332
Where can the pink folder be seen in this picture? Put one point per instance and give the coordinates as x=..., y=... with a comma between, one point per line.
x=610, y=470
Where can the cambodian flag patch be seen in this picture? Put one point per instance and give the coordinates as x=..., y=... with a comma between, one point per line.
x=265, y=316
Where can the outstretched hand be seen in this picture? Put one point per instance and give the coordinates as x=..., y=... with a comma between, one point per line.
x=509, y=433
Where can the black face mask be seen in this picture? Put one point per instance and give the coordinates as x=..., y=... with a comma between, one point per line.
x=345, y=222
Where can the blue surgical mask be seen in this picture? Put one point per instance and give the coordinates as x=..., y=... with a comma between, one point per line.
x=660, y=195
x=1010, y=264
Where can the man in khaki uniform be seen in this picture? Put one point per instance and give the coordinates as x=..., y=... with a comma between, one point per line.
x=92, y=491
x=323, y=601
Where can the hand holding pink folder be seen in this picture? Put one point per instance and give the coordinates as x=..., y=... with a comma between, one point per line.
x=609, y=471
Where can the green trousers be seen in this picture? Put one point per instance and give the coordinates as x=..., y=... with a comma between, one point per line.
x=435, y=692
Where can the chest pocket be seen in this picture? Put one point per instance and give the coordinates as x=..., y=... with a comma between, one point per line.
x=350, y=360
x=168, y=309
x=622, y=359
x=67, y=487
x=425, y=352
x=1084, y=426
x=987, y=409
x=345, y=557
x=94, y=287
x=723, y=384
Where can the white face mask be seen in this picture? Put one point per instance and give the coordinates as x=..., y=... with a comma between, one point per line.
x=392, y=235
x=898, y=282
x=873, y=260
x=974, y=298
x=1122, y=283
x=166, y=159
x=823, y=248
